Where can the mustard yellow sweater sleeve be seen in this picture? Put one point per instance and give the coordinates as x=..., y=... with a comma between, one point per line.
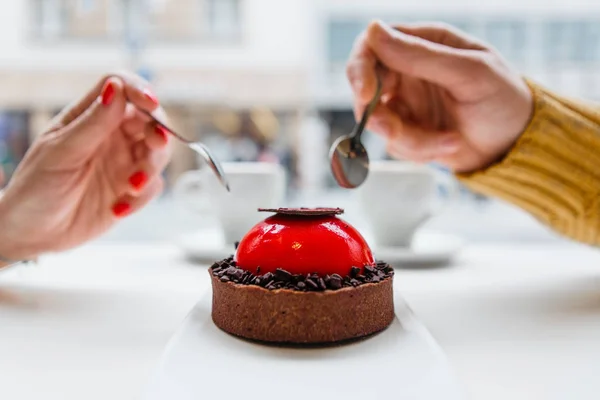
x=553, y=171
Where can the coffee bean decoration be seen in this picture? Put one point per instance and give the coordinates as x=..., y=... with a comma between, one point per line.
x=227, y=271
x=283, y=275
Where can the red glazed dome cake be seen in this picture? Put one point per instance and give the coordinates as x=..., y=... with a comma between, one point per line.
x=302, y=276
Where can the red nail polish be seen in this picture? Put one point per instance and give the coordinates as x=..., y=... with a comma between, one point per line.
x=138, y=180
x=121, y=209
x=108, y=93
x=151, y=96
x=162, y=132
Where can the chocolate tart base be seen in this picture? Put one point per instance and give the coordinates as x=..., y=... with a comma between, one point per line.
x=296, y=317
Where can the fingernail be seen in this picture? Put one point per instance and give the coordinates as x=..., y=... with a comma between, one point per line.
x=121, y=209
x=108, y=93
x=385, y=27
x=138, y=180
x=162, y=132
x=151, y=96
x=358, y=85
x=383, y=32
x=377, y=28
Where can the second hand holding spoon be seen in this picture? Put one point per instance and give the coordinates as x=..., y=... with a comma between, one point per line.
x=348, y=156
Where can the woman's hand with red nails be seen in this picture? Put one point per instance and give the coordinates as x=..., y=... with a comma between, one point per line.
x=447, y=97
x=100, y=160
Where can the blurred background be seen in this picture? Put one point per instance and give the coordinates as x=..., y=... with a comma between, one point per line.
x=263, y=80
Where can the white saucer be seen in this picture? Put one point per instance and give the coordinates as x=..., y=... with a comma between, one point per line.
x=402, y=362
x=205, y=246
x=428, y=249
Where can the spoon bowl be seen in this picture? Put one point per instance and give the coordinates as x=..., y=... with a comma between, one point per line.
x=349, y=162
x=348, y=156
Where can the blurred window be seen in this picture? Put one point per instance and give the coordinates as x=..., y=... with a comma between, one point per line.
x=222, y=18
x=14, y=140
x=87, y=6
x=571, y=41
x=591, y=37
x=134, y=17
x=70, y=19
x=50, y=18
x=559, y=41
x=508, y=36
x=137, y=21
x=340, y=39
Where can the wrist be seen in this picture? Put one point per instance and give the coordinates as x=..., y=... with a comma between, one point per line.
x=523, y=117
x=518, y=113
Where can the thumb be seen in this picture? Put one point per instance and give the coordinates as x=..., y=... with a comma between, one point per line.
x=417, y=57
x=101, y=118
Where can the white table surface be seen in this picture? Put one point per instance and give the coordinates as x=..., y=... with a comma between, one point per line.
x=516, y=321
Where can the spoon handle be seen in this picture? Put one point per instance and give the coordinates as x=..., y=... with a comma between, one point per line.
x=359, y=129
x=199, y=148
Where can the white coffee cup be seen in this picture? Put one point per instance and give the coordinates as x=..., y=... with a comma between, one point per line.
x=398, y=197
x=253, y=185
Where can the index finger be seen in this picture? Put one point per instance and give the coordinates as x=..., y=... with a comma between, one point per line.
x=139, y=92
x=360, y=70
x=136, y=89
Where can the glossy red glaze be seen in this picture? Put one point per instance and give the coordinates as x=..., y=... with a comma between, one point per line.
x=302, y=245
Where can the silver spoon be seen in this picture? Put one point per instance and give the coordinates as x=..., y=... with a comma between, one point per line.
x=199, y=148
x=348, y=156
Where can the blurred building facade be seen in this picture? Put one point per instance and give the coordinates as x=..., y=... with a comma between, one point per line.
x=257, y=79
x=224, y=68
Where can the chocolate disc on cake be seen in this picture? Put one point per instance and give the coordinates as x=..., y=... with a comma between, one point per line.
x=304, y=211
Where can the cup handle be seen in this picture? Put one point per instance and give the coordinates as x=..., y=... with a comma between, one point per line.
x=449, y=183
x=189, y=190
